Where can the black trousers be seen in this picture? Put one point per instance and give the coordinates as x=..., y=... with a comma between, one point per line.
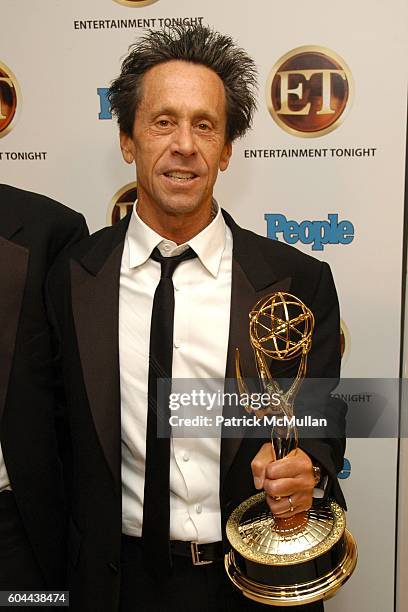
x=190, y=588
x=18, y=568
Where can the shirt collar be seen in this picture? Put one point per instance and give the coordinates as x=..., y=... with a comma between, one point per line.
x=209, y=244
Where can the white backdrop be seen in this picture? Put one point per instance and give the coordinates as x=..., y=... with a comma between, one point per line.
x=59, y=68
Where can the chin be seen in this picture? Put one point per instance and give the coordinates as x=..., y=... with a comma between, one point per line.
x=181, y=207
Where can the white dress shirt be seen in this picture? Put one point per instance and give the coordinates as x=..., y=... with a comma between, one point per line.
x=201, y=328
x=4, y=479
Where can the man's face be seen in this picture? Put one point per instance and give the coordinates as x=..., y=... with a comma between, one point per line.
x=178, y=140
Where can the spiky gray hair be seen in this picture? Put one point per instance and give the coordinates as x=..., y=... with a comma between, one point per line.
x=196, y=44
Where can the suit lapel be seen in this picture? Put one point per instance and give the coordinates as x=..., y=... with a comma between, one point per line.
x=13, y=272
x=252, y=279
x=95, y=303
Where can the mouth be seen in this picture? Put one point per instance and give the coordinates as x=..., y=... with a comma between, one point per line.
x=180, y=177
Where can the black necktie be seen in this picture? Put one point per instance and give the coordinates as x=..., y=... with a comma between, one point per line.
x=156, y=505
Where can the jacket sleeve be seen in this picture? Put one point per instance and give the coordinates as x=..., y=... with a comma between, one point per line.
x=56, y=290
x=323, y=371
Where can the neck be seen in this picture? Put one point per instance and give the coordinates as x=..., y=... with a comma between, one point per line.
x=178, y=227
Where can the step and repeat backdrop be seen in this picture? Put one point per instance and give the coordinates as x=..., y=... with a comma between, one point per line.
x=323, y=170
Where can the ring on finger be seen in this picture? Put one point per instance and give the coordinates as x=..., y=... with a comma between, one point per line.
x=290, y=504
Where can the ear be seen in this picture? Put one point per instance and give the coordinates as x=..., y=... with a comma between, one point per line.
x=225, y=156
x=127, y=147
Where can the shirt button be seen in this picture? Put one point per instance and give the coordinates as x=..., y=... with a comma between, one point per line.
x=166, y=247
x=186, y=457
x=198, y=508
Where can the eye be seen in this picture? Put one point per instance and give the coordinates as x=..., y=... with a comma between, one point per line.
x=163, y=122
x=203, y=127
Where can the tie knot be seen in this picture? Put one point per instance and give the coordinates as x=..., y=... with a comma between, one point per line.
x=169, y=264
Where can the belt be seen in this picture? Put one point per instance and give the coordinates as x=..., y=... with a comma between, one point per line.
x=200, y=554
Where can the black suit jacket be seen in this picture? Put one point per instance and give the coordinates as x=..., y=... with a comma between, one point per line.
x=84, y=294
x=33, y=231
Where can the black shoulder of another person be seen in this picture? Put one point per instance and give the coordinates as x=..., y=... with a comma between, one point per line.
x=43, y=215
x=31, y=206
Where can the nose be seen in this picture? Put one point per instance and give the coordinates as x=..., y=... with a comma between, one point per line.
x=183, y=141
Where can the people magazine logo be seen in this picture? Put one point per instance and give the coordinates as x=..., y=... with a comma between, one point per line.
x=346, y=471
x=121, y=203
x=318, y=233
x=10, y=99
x=135, y=3
x=309, y=91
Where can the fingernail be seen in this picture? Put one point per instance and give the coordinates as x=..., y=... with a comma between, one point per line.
x=258, y=482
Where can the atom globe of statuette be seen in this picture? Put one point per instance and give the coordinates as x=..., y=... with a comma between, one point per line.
x=281, y=326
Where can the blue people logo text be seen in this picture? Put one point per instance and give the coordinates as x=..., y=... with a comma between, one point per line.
x=346, y=471
x=316, y=233
x=105, y=110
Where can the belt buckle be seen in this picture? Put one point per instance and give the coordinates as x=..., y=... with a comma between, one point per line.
x=195, y=555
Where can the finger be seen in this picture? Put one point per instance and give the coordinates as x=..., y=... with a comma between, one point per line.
x=264, y=456
x=287, y=467
x=282, y=508
x=281, y=488
x=295, y=465
x=289, y=486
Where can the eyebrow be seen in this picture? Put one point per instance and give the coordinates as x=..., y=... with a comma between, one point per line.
x=199, y=113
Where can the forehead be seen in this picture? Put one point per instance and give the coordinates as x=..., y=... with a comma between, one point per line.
x=183, y=85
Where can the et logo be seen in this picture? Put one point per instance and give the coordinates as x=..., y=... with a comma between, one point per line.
x=316, y=233
x=346, y=471
x=121, y=203
x=135, y=3
x=309, y=91
x=10, y=99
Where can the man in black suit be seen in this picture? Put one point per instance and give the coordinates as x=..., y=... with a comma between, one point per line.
x=33, y=231
x=148, y=517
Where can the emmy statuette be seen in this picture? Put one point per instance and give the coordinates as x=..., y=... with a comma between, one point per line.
x=285, y=561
